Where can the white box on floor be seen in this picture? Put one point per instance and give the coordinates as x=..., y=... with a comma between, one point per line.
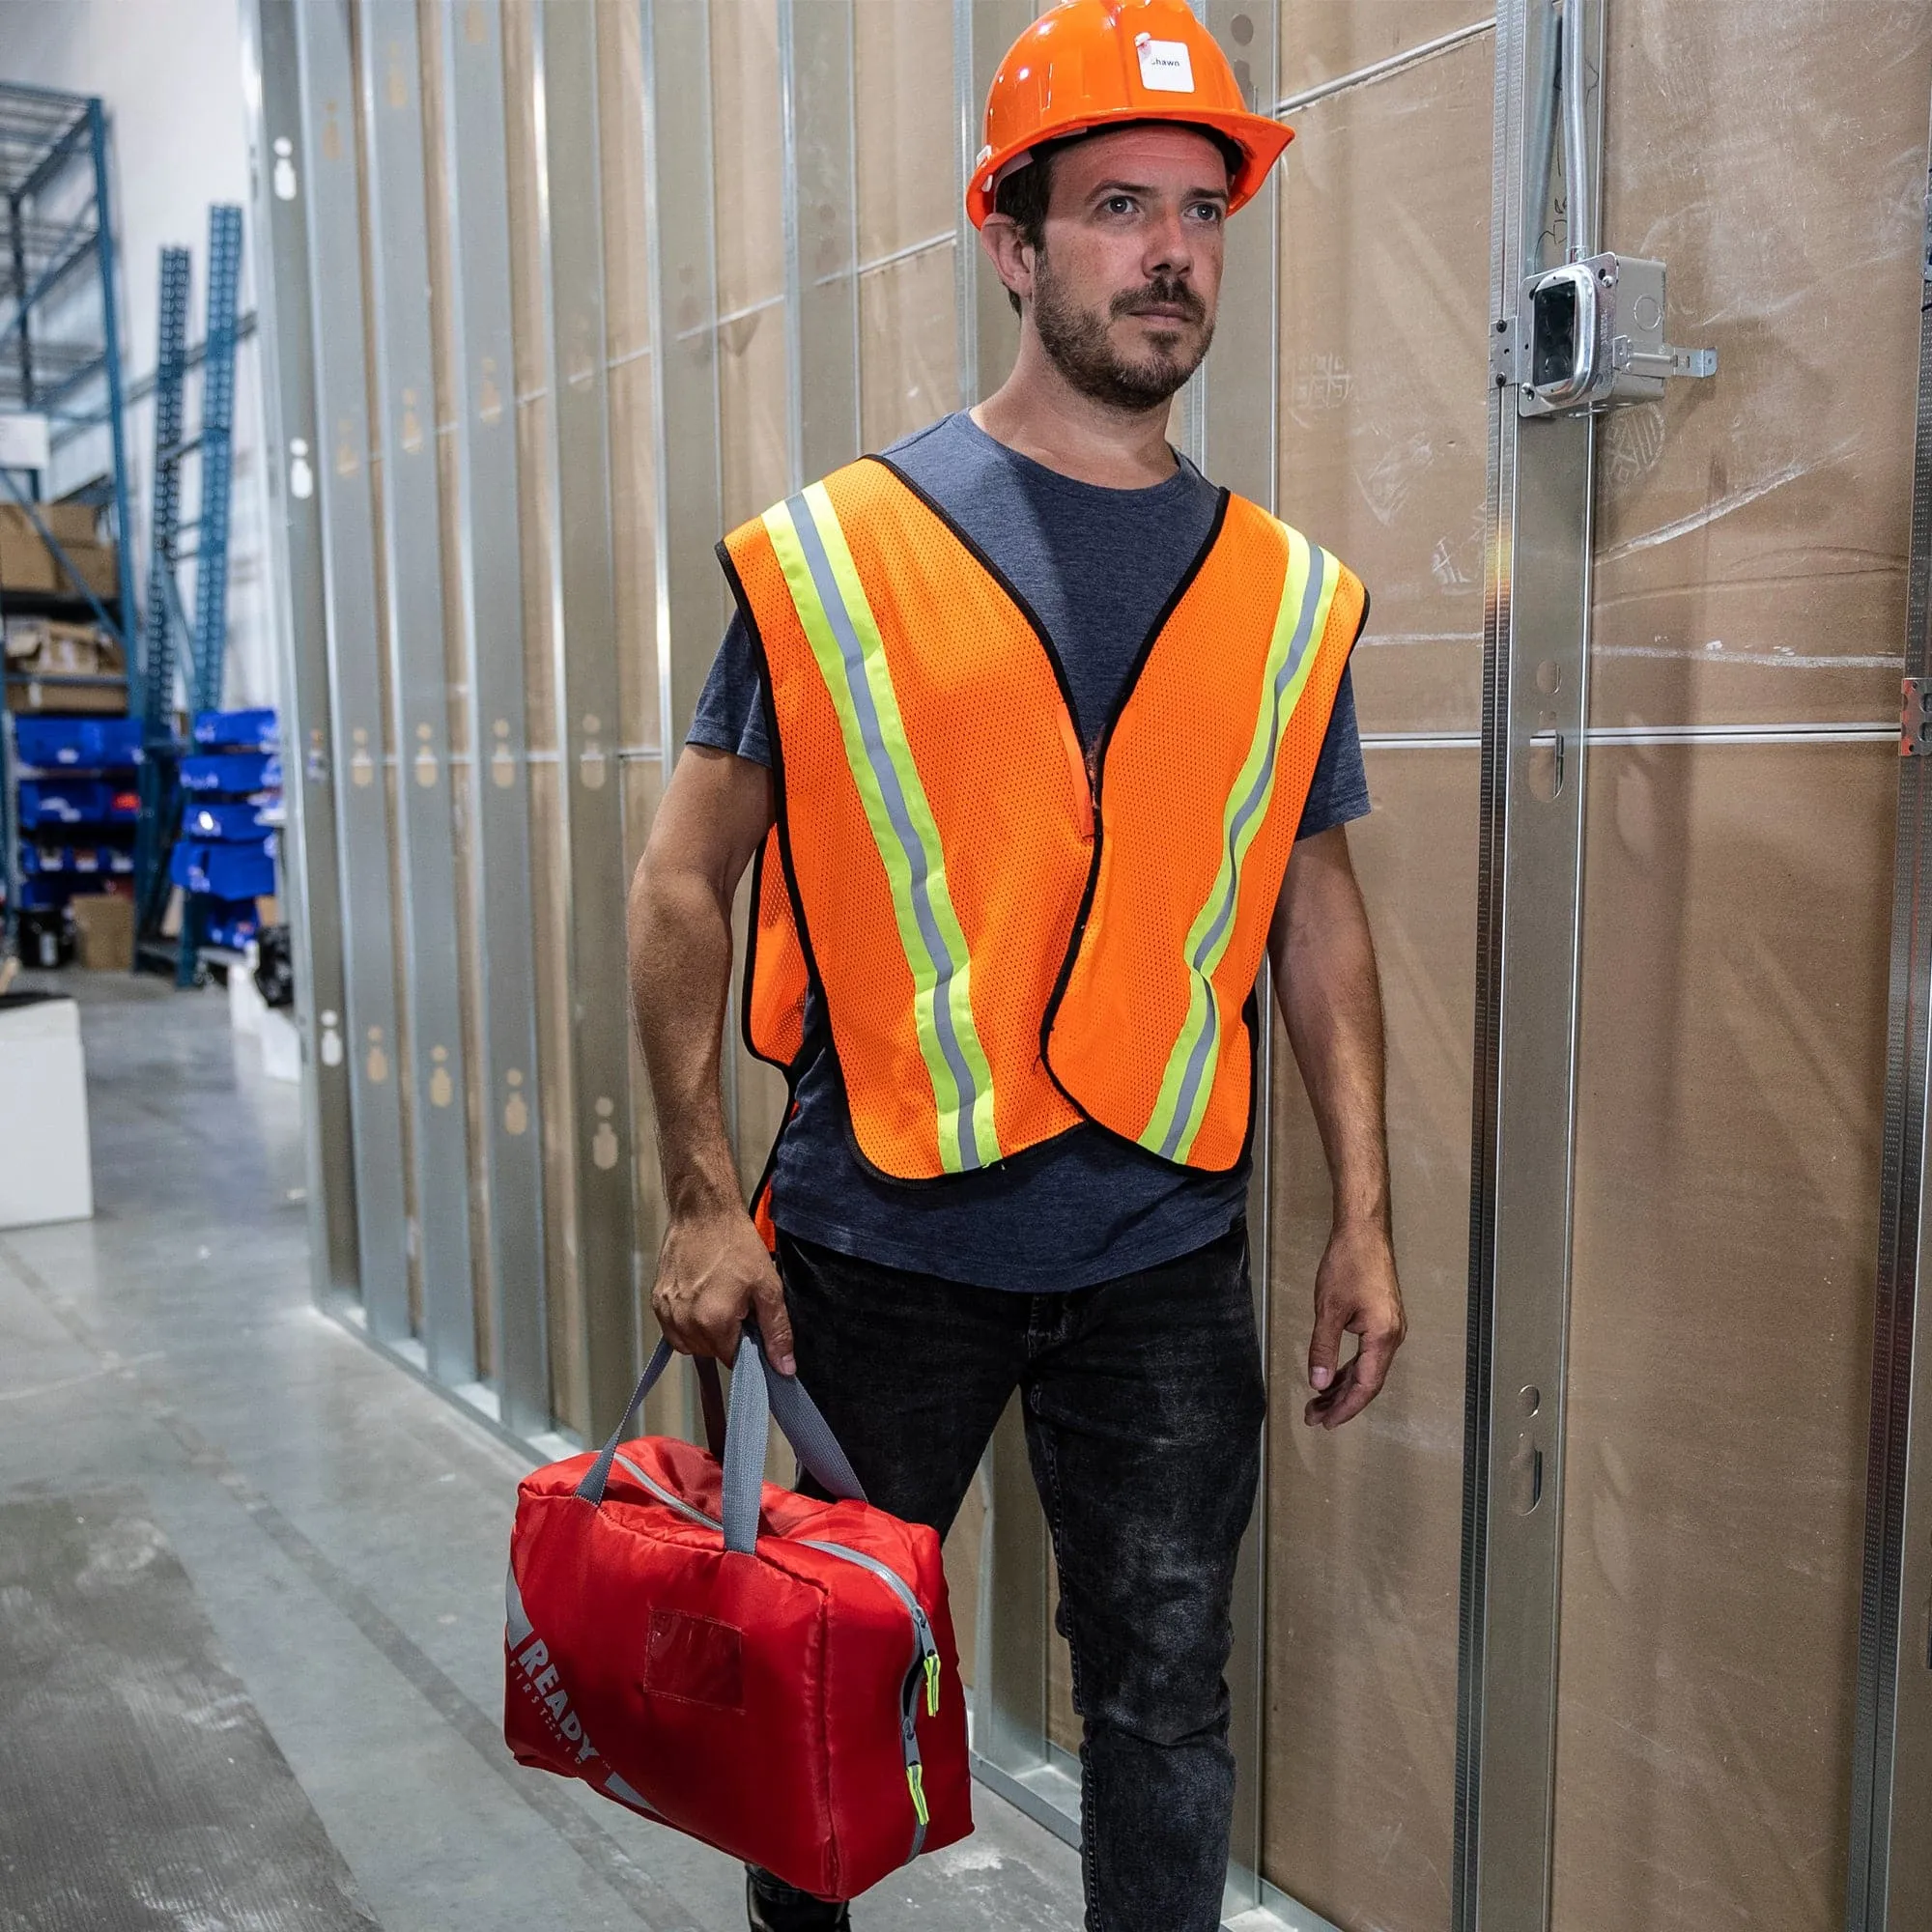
x=281, y=1044
x=246, y=1005
x=45, y=1166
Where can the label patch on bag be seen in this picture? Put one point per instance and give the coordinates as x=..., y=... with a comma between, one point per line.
x=1166, y=66
x=695, y=1659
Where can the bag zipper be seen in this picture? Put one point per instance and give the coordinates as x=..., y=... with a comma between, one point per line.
x=925, y=1661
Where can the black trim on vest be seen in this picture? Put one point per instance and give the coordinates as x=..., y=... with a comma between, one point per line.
x=781, y=824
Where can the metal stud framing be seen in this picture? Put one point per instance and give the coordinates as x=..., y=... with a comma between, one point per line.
x=691, y=613
x=821, y=226
x=588, y=715
x=309, y=859
x=355, y=677
x=1890, y=1863
x=1529, y=888
x=1012, y=1750
x=391, y=72
x=490, y=579
x=982, y=30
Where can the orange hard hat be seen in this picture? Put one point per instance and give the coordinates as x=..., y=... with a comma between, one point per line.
x=1088, y=64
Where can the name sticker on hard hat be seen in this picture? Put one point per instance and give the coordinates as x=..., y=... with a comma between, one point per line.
x=1166, y=67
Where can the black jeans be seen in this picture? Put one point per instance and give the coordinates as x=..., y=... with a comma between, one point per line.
x=1143, y=1401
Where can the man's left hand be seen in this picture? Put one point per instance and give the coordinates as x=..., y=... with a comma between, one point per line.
x=1355, y=1294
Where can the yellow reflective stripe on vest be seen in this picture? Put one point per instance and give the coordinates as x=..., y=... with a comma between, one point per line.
x=844, y=639
x=1306, y=594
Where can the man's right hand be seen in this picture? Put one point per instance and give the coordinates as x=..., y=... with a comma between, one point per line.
x=713, y=1271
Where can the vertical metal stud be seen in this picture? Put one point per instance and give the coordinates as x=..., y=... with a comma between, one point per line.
x=684, y=329
x=982, y=30
x=310, y=874
x=341, y=463
x=1012, y=1749
x=1529, y=885
x=391, y=71
x=490, y=580
x=1232, y=421
x=586, y=670
x=821, y=225
x=1889, y=1886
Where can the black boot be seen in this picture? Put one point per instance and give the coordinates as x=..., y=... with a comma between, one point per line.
x=773, y=1906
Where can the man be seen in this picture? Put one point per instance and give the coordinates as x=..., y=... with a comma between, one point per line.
x=1024, y=720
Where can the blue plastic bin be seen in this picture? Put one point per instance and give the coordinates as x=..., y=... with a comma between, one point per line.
x=225, y=871
x=233, y=924
x=231, y=774
x=85, y=744
x=236, y=730
x=225, y=821
x=63, y=802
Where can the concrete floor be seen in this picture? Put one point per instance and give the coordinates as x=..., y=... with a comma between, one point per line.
x=341, y=1527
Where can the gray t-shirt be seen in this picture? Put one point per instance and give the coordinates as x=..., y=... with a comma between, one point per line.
x=1098, y=567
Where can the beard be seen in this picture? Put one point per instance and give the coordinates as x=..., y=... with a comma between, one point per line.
x=1078, y=344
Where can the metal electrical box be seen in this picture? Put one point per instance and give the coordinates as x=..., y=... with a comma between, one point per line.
x=1590, y=335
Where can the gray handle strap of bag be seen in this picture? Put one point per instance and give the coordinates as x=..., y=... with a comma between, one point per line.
x=758, y=1396
x=755, y=1398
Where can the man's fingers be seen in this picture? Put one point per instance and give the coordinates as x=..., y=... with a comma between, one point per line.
x=774, y=1325
x=1326, y=1343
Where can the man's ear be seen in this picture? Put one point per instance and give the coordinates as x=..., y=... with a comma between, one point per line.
x=1011, y=258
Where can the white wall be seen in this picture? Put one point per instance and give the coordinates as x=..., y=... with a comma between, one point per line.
x=169, y=72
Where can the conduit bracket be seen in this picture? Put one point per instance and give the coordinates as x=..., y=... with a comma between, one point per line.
x=1915, y=722
x=1589, y=335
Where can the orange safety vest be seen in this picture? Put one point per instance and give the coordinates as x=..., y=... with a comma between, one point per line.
x=1006, y=947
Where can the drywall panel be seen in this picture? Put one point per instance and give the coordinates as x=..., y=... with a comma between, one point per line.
x=908, y=123
x=626, y=319
x=1321, y=41
x=1384, y=371
x=748, y=164
x=1752, y=528
x=908, y=345
x=1365, y=1523
x=1735, y=949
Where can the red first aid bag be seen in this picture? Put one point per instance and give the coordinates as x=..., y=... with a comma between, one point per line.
x=769, y=1673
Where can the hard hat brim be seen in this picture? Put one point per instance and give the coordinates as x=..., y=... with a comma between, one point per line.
x=1263, y=142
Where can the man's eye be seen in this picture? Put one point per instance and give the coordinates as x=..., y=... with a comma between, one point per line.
x=1118, y=204
x=1207, y=210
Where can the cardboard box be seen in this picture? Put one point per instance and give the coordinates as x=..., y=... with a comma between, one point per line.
x=95, y=567
x=25, y=562
x=34, y=699
x=71, y=523
x=104, y=927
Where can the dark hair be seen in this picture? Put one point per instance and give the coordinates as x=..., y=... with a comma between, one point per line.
x=1022, y=196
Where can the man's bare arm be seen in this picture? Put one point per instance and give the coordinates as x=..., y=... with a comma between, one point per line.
x=713, y=1269
x=1325, y=982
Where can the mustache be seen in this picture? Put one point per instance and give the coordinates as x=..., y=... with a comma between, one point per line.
x=1161, y=293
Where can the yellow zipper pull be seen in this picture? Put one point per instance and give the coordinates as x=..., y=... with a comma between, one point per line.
x=932, y=1686
x=916, y=1783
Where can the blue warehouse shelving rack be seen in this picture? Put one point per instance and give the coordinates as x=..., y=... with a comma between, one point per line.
x=60, y=374
x=173, y=641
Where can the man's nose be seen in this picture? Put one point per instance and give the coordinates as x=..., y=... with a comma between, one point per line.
x=1170, y=248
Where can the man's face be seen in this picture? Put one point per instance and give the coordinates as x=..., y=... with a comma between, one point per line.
x=1125, y=289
